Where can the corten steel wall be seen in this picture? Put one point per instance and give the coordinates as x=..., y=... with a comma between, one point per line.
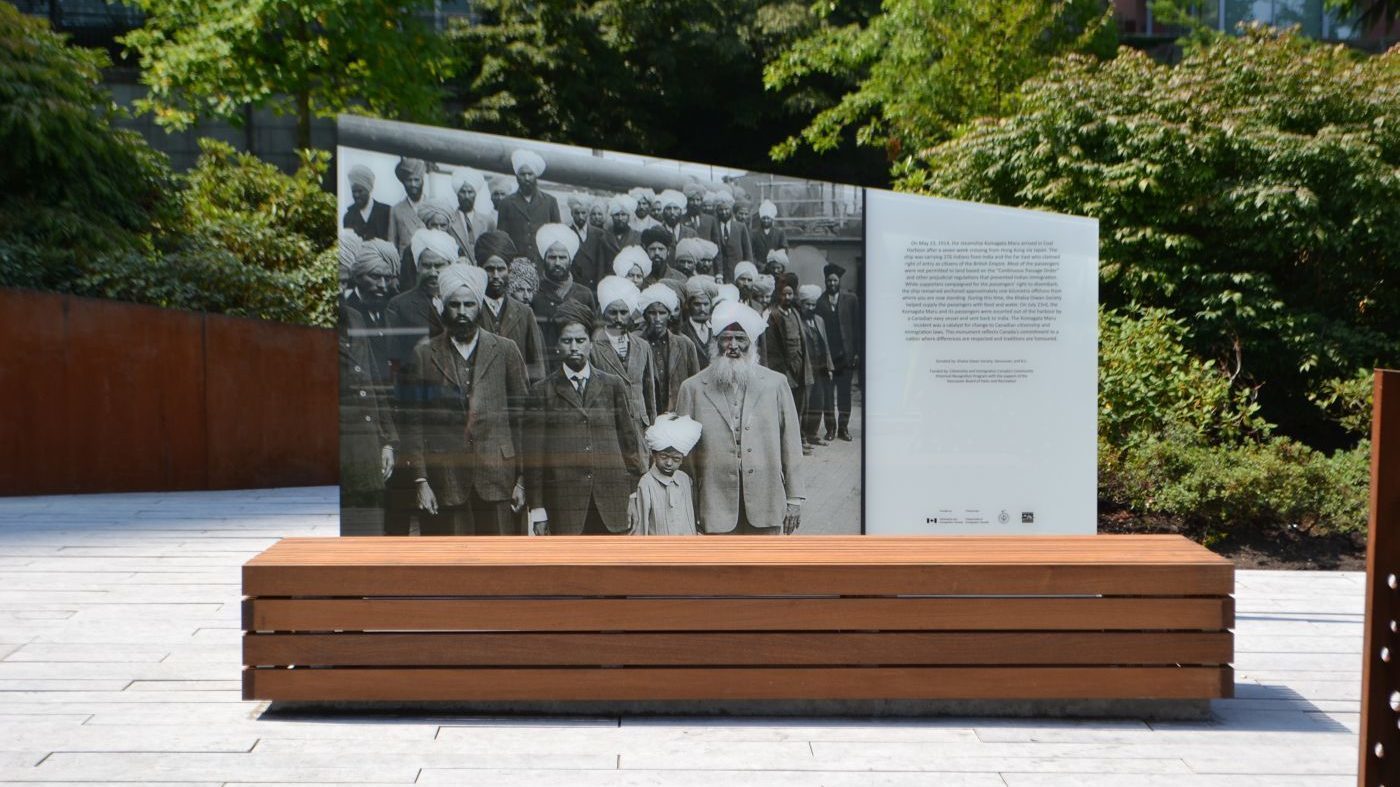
x=103, y=396
x=1380, y=706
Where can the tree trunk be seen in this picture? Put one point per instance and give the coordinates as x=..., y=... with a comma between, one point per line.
x=304, y=120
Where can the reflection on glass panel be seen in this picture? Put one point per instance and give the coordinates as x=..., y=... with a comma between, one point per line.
x=1304, y=14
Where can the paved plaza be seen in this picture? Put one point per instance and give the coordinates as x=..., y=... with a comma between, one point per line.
x=120, y=658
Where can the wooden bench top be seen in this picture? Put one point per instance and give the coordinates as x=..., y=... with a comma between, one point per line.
x=1154, y=565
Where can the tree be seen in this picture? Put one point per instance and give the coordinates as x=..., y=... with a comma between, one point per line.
x=308, y=58
x=72, y=186
x=1252, y=189
x=922, y=68
x=677, y=78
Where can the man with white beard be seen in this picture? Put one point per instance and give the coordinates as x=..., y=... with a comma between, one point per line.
x=748, y=464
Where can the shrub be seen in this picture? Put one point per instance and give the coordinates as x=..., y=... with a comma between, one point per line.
x=1276, y=482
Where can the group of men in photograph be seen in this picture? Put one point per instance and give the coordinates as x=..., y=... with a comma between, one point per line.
x=640, y=363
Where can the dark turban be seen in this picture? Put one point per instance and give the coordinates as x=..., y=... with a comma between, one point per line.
x=652, y=235
x=410, y=166
x=831, y=268
x=494, y=244
x=573, y=311
x=790, y=280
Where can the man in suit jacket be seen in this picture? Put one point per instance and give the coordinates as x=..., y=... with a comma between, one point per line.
x=735, y=244
x=503, y=315
x=673, y=356
x=463, y=396
x=595, y=256
x=617, y=352
x=370, y=276
x=699, y=293
x=705, y=226
x=367, y=435
x=417, y=314
x=748, y=464
x=840, y=309
x=817, y=350
x=523, y=213
x=787, y=350
x=403, y=217
x=584, y=459
x=558, y=288
x=368, y=217
x=768, y=236
x=673, y=204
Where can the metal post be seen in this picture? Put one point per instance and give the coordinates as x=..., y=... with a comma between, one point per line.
x=1380, y=702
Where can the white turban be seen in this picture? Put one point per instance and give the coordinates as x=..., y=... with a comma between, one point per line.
x=671, y=197
x=348, y=248
x=623, y=203
x=673, y=431
x=730, y=313
x=521, y=157
x=724, y=198
x=508, y=185
x=689, y=248
x=767, y=208
x=659, y=293
x=549, y=234
x=579, y=201
x=727, y=292
x=708, y=249
x=458, y=275
x=745, y=267
x=436, y=241
x=701, y=283
x=778, y=255
x=764, y=284
x=710, y=197
x=642, y=193
x=467, y=175
x=360, y=175
x=809, y=292
x=616, y=288
x=629, y=256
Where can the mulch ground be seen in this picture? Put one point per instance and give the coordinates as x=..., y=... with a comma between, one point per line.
x=1274, y=548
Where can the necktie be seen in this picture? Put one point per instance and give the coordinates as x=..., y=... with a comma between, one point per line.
x=724, y=234
x=578, y=384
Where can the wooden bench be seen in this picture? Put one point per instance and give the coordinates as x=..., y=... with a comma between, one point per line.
x=697, y=619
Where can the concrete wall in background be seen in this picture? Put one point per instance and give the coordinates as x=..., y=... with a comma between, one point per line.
x=104, y=396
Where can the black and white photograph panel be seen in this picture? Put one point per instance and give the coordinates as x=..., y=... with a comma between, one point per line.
x=538, y=339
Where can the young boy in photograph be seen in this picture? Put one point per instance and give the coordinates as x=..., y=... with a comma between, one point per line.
x=663, y=504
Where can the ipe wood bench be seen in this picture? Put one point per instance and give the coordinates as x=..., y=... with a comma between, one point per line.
x=566, y=619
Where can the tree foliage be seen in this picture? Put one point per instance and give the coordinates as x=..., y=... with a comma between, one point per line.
x=922, y=68
x=89, y=209
x=71, y=184
x=300, y=57
x=679, y=78
x=1253, y=189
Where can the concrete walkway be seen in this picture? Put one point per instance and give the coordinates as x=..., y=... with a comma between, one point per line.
x=119, y=661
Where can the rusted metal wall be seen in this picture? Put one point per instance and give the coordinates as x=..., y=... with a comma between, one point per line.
x=1380, y=681
x=103, y=396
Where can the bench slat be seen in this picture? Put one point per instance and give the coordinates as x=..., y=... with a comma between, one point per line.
x=737, y=649
x=737, y=683
x=747, y=580
x=723, y=614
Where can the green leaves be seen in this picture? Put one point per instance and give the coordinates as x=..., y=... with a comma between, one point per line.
x=920, y=69
x=301, y=57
